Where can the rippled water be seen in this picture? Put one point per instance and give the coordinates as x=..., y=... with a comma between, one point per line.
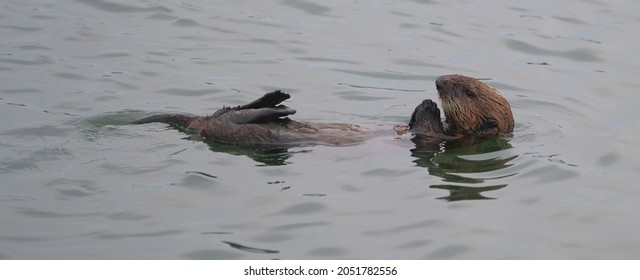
x=78, y=184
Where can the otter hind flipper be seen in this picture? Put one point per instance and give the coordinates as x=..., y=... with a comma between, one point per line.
x=271, y=99
x=426, y=119
x=261, y=115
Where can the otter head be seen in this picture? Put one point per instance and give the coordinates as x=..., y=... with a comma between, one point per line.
x=472, y=107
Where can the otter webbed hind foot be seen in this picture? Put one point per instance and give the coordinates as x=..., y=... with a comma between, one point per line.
x=270, y=99
x=262, y=115
x=262, y=110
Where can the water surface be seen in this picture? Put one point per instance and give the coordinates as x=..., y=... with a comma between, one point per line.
x=76, y=184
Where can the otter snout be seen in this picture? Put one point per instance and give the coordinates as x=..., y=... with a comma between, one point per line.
x=444, y=84
x=440, y=83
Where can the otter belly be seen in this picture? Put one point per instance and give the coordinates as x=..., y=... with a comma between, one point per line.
x=335, y=134
x=286, y=133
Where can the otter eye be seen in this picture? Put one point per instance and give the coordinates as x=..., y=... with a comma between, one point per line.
x=469, y=93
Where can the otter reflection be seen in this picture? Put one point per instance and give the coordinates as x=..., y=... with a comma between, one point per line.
x=466, y=193
x=461, y=164
x=266, y=157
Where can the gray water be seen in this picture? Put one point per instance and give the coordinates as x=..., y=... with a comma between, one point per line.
x=76, y=184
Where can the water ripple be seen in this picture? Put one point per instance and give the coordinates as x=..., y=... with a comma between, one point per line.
x=404, y=228
x=308, y=7
x=185, y=22
x=250, y=249
x=448, y=252
x=212, y=254
x=303, y=209
x=113, y=7
x=113, y=236
x=581, y=54
x=190, y=92
x=388, y=75
x=38, y=61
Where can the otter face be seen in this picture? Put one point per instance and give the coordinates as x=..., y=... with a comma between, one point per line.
x=472, y=107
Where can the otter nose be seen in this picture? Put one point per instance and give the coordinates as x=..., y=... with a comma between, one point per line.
x=439, y=84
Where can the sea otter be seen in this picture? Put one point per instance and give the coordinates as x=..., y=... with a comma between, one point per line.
x=264, y=123
x=470, y=108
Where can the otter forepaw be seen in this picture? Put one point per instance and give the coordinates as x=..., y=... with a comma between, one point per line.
x=427, y=111
x=426, y=117
x=431, y=108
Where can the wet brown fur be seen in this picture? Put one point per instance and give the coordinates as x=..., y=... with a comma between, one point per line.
x=470, y=107
x=279, y=132
x=263, y=123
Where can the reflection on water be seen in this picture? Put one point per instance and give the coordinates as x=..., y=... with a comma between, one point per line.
x=466, y=193
x=268, y=156
x=463, y=162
